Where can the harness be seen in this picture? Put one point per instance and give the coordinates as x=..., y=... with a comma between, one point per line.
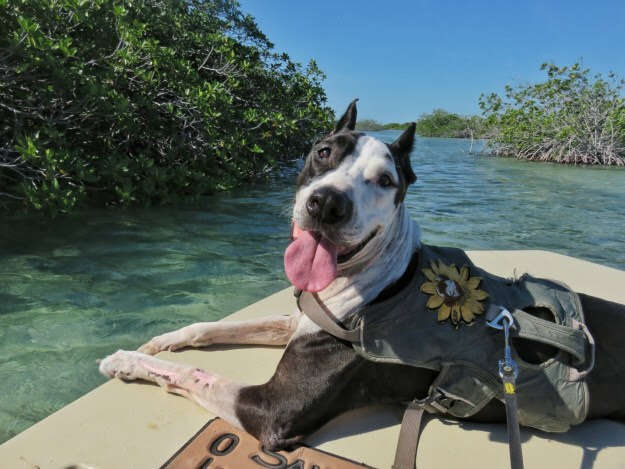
x=449, y=316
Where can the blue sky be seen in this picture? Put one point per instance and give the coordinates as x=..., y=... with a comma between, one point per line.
x=404, y=58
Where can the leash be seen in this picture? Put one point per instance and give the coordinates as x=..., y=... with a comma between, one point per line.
x=508, y=371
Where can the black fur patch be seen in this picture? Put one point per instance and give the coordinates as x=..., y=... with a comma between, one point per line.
x=347, y=120
x=340, y=145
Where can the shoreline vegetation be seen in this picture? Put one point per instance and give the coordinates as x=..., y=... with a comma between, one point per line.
x=438, y=123
x=111, y=104
x=573, y=118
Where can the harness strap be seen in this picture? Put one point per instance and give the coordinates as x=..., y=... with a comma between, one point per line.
x=572, y=340
x=311, y=305
x=409, y=434
x=412, y=425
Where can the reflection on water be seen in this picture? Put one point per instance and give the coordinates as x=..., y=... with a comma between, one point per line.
x=77, y=288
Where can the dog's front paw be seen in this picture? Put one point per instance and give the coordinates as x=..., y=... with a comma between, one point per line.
x=122, y=364
x=170, y=341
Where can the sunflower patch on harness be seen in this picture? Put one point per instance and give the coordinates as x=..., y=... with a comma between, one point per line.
x=454, y=293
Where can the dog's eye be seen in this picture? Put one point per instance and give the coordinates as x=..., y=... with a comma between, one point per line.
x=385, y=181
x=324, y=152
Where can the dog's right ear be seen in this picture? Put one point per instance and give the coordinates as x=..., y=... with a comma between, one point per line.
x=348, y=121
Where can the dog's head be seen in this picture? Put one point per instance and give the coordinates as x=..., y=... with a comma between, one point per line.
x=348, y=194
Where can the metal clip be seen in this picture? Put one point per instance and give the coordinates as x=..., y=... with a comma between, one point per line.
x=505, y=321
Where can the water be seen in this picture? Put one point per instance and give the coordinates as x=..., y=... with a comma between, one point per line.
x=77, y=288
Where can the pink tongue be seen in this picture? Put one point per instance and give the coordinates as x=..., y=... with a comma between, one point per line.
x=310, y=261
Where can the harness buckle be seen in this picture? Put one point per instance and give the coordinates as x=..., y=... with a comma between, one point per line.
x=439, y=401
x=431, y=403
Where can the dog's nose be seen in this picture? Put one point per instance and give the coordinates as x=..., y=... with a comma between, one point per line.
x=329, y=206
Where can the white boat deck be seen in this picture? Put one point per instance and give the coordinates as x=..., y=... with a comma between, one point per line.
x=131, y=425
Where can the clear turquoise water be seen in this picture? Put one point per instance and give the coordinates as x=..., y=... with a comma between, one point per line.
x=77, y=288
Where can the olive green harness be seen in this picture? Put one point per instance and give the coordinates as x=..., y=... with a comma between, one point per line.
x=439, y=321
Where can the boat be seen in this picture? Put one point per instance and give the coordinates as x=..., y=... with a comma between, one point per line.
x=131, y=425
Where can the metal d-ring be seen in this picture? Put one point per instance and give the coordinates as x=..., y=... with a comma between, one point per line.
x=497, y=321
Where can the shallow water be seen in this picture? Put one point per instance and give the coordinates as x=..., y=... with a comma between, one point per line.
x=77, y=288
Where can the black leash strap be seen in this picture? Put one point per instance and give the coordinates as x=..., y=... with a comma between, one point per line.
x=509, y=370
x=512, y=419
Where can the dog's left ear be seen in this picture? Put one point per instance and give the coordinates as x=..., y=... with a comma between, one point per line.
x=348, y=120
x=401, y=149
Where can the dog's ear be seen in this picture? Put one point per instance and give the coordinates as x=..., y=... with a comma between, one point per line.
x=348, y=121
x=401, y=149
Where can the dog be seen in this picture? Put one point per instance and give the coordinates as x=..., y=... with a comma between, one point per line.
x=353, y=241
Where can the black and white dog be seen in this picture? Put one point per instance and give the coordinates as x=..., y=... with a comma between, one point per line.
x=353, y=241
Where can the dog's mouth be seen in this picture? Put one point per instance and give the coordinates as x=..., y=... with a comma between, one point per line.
x=349, y=253
x=311, y=260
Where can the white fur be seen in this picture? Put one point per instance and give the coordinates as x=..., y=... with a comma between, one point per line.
x=268, y=330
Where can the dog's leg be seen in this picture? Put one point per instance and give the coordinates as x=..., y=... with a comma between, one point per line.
x=317, y=378
x=215, y=393
x=270, y=330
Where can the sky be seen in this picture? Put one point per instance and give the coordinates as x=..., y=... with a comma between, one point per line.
x=406, y=58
